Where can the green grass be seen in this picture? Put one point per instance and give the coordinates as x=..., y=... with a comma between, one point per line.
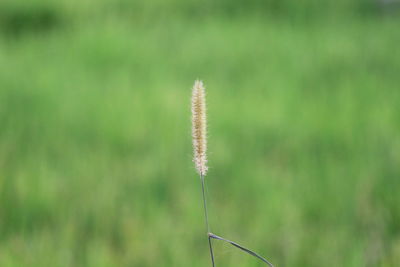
x=95, y=149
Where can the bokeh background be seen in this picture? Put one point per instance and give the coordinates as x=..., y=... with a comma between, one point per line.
x=95, y=148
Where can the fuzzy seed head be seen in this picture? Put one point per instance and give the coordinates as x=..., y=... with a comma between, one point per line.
x=199, y=127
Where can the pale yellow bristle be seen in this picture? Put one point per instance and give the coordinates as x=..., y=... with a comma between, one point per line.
x=199, y=127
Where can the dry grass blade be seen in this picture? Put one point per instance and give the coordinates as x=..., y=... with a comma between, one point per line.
x=211, y=235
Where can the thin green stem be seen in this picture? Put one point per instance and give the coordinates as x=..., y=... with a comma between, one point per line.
x=211, y=251
x=206, y=220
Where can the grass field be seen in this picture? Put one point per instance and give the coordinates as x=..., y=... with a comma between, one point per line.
x=95, y=150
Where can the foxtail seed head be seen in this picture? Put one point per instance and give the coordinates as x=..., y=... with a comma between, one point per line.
x=199, y=127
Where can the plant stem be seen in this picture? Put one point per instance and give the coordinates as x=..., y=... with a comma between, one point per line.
x=211, y=251
x=206, y=220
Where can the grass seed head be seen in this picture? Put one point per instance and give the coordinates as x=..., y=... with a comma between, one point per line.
x=199, y=127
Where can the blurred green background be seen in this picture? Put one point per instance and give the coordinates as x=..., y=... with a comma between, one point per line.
x=95, y=147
